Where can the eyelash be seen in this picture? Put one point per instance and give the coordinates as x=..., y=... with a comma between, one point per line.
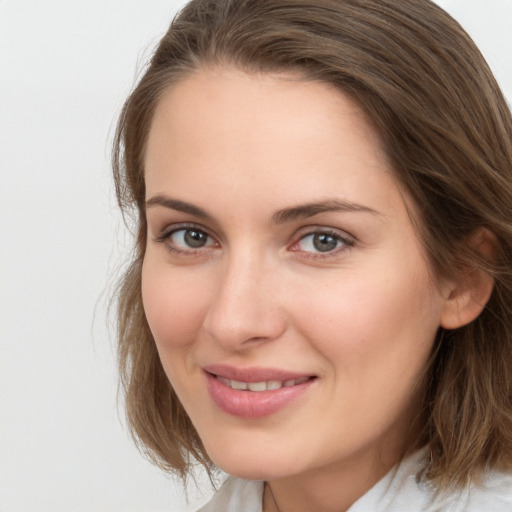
x=345, y=241
x=165, y=238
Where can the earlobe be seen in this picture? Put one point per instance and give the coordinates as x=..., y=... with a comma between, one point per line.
x=468, y=294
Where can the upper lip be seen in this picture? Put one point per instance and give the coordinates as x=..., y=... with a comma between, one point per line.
x=253, y=374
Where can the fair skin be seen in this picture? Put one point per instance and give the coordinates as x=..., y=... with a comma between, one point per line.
x=239, y=282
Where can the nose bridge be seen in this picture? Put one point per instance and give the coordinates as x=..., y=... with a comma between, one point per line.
x=244, y=307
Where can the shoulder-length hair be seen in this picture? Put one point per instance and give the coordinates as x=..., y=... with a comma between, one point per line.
x=447, y=131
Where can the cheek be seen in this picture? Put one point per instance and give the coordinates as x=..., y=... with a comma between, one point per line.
x=174, y=305
x=372, y=318
x=376, y=334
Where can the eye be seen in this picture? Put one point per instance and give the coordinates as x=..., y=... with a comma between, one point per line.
x=187, y=240
x=322, y=241
x=190, y=238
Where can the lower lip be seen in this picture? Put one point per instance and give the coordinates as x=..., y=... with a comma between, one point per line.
x=253, y=404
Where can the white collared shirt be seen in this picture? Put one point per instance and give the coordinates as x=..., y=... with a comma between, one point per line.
x=399, y=491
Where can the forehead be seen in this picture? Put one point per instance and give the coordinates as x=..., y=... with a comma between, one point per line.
x=243, y=135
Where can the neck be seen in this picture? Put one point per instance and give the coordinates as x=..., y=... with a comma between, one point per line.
x=336, y=487
x=333, y=488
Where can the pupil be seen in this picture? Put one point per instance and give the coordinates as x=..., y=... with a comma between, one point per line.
x=324, y=243
x=195, y=238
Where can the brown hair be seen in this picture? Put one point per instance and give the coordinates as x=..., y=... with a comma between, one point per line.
x=448, y=133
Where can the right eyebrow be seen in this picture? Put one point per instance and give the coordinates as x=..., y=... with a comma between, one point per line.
x=178, y=205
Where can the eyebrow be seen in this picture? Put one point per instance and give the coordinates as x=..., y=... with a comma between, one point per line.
x=180, y=206
x=301, y=211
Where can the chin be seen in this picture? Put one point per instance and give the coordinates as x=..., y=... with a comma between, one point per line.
x=244, y=464
x=263, y=472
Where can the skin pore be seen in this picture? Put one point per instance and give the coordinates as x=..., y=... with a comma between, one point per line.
x=279, y=241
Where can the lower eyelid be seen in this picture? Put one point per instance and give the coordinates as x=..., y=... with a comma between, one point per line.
x=337, y=253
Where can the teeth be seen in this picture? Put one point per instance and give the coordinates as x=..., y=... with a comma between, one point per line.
x=274, y=384
x=239, y=385
x=257, y=386
x=261, y=386
x=224, y=381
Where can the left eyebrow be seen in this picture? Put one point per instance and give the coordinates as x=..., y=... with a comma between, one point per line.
x=303, y=211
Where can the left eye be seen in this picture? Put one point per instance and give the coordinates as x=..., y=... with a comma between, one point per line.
x=321, y=242
x=190, y=238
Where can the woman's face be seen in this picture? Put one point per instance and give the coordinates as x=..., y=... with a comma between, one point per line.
x=287, y=292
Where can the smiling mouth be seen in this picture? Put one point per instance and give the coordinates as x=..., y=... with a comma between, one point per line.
x=256, y=392
x=266, y=385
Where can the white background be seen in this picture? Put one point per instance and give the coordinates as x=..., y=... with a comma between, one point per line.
x=65, y=68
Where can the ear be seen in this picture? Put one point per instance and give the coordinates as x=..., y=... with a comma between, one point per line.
x=468, y=293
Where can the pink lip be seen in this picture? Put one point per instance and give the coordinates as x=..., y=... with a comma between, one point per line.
x=253, y=404
x=252, y=374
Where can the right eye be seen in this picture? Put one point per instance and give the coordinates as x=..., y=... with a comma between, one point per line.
x=187, y=240
x=190, y=238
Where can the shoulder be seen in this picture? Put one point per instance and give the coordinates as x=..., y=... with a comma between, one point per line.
x=405, y=490
x=235, y=495
x=493, y=494
x=399, y=491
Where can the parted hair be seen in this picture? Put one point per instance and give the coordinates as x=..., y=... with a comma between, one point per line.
x=447, y=131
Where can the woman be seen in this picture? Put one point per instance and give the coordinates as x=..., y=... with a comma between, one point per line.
x=320, y=298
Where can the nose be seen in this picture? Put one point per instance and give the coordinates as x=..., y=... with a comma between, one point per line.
x=245, y=309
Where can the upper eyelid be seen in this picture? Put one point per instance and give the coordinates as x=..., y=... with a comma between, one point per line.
x=172, y=228
x=312, y=230
x=171, y=218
